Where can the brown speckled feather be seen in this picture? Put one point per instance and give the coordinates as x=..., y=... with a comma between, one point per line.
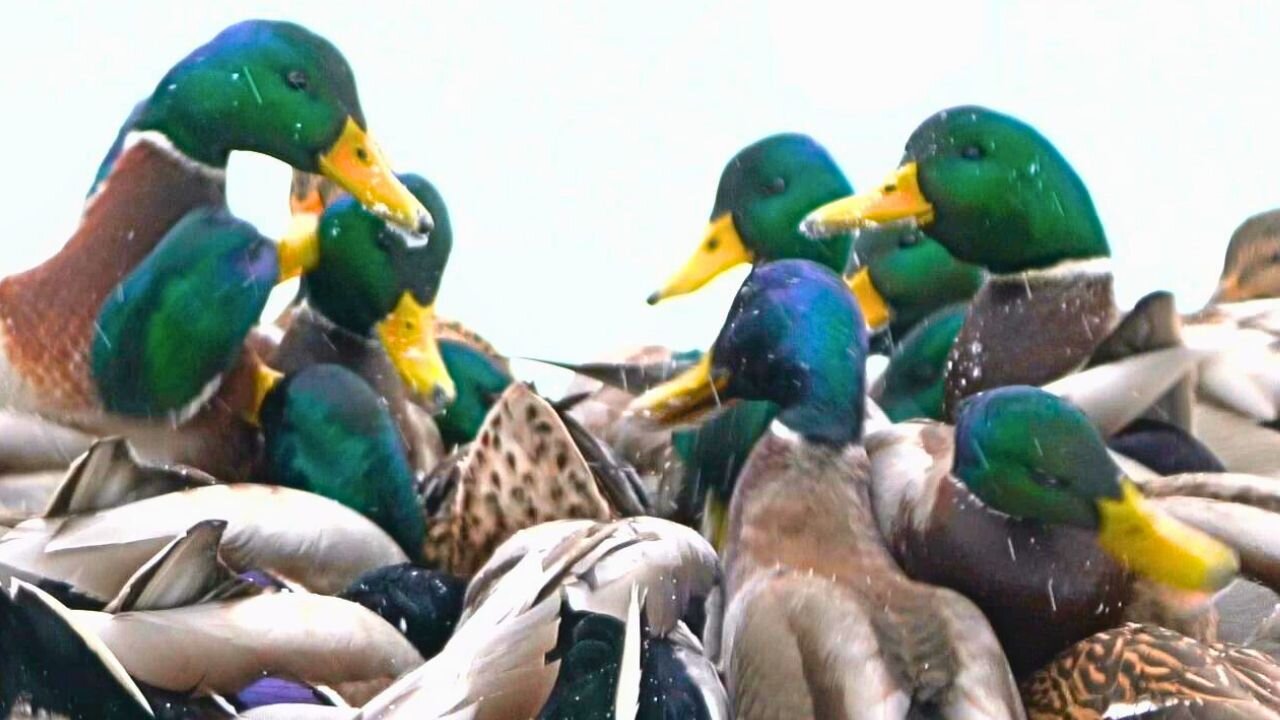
x=1121, y=672
x=48, y=312
x=523, y=469
x=1028, y=330
x=819, y=620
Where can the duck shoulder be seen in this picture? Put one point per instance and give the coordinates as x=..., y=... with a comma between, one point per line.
x=1029, y=329
x=808, y=577
x=49, y=322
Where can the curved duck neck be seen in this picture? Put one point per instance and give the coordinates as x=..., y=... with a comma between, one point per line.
x=50, y=309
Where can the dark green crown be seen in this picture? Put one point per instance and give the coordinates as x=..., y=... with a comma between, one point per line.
x=479, y=381
x=770, y=185
x=269, y=87
x=1003, y=197
x=366, y=264
x=795, y=337
x=1034, y=455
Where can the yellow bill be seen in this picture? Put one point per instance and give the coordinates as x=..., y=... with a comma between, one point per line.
x=875, y=311
x=682, y=398
x=899, y=198
x=409, y=335
x=264, y=379
x=357, y=164
x=299, y=250
x=1161, y=547
x=720, y=250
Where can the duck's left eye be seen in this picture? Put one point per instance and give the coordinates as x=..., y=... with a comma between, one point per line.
x=297, y=79
x=908, y=239
x=972, y=152
x=775, y=186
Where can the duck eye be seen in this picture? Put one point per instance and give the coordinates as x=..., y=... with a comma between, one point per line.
x=775, y=186
x=908, y=239
x=1045, y=480
x=297, y=79
x=972, y=152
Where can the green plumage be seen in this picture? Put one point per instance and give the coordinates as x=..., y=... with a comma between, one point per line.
x=178, y=320
x=367, y=264
x=770, y=185
x=1000, y=457
x=714, y=452
x=917, y=373
x=328, y=433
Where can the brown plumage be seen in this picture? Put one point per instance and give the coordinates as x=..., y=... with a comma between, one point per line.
x=820, y=622
x=48, y=318
x=1028, y=330
x=523, y=469
x=1251, y=268
x=1148, y=670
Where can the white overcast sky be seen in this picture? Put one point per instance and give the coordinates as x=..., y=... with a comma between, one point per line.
x=578, y=144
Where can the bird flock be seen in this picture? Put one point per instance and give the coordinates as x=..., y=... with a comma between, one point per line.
x=1042, y=505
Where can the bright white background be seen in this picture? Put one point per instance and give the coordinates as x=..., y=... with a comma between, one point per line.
x=578, y=144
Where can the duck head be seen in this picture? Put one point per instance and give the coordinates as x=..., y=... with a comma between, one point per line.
x=987, y=186
x=764, y=193
x=1251, y=270
x=904, y=276
x=277, y=88
x=794, y=337
x=1032, y=455
x=374, y=278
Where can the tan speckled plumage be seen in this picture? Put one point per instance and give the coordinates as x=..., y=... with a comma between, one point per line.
x=1145, y=667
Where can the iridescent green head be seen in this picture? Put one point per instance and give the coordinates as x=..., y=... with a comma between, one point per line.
x=989, y=187
x=764, y=193
x=327, y=432
x=365, y=265
x=281, y=90
x=793, y=337
x=1031, y=454
x=912, y=273
x=375, y=279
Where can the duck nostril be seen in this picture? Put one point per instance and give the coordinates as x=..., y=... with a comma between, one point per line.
x=362, y=155
x=889, y=188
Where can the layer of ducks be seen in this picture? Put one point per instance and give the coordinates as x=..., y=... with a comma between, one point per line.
x=1044, y=506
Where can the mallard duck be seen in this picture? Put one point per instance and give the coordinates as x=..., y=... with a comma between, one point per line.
x=368, y=277
x=1147, y=670
x=819, y=621
x=1022, y=509
x=374, y=287
x=997, y=194
x=368, y=303
x=269, y=87
x=764, y=192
